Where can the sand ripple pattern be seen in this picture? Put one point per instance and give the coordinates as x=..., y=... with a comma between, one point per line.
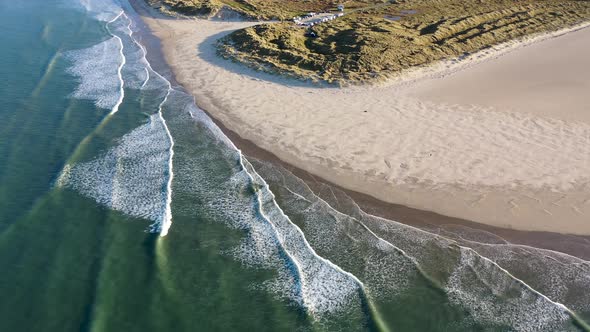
x=416, y=142
x=474, y=146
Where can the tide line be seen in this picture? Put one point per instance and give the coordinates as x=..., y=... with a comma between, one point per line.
x=378, y=238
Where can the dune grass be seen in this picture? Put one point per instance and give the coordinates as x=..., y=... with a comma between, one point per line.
x=376, y=39
x=261, y=9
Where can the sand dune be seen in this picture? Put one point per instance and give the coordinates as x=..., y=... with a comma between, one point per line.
x=430, y=145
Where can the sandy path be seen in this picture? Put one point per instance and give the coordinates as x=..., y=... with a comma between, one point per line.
x=508, y=169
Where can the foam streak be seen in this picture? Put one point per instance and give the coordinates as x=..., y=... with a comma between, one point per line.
x=166, y=222
x=293, y=242
x=119, y=70
x=510, y=275
x=164, y=225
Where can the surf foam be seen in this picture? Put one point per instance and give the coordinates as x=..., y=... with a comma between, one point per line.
x=490, y=293
x=129, y=177
x=322, y=288
x=97, y=71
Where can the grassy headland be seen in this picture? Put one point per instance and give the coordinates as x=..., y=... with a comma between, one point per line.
x=258, y=9
x=375, y=39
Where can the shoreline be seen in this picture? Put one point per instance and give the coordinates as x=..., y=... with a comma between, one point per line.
x=399, y=212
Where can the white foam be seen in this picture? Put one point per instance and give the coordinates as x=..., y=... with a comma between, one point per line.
x=120, y=67
x=129, y=177
x=135, y=73
x=476, y=284
x=488, y=291
x=97, y=71
x=103, y=10
x=560, y=277
x=100, y=84
x=103, y=76
x=273, y=241
x=164, y=224
x=323, y=287
x=491, y=293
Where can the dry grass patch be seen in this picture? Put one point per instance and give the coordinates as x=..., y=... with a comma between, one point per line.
x=369, y=45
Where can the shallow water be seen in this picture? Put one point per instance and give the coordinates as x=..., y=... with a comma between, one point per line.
x=123, y=207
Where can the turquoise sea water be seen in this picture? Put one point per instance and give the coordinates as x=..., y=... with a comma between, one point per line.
x=124, y=208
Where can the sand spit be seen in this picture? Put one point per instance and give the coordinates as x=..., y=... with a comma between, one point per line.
x=506, y=168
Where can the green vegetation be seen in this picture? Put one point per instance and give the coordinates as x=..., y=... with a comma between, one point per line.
x=260, y=9
x=194, y=7
x=377, y=39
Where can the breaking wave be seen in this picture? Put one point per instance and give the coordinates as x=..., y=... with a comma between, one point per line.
x=330, y=258
x=97, y=73
x=390, y=258
x=244, y=201
x=135, y=177
x=130, y=177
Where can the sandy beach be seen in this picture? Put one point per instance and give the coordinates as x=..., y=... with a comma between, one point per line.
x=479, y=144
x=547, y=79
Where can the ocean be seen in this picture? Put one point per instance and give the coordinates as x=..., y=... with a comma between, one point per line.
x=123, y=207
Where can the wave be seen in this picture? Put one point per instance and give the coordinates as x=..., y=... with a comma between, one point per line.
x=129, y=177
x=391, y=258
x=103, y=77
x=330, y=263
x=115, y=178
x=102, y=10
x=120, y=67
x=240, y=199
x=96, y=70
x=163, y=225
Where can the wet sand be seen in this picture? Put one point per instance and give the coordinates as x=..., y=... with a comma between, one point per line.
x=229, y=122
